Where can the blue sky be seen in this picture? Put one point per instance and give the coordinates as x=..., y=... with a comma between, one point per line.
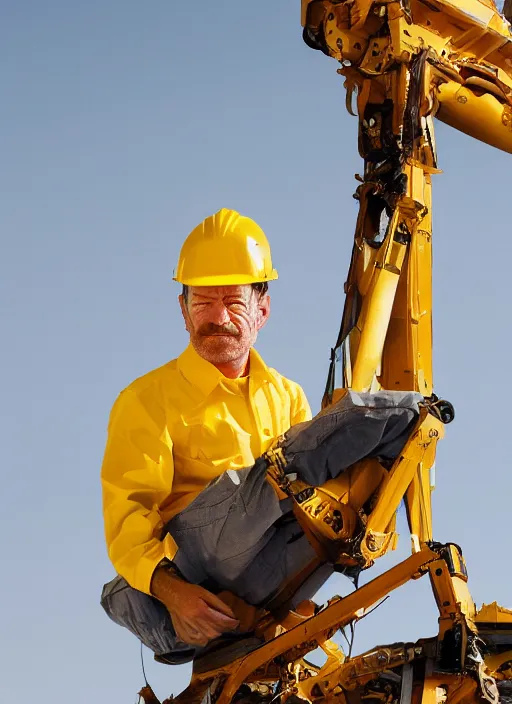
x=124, y=124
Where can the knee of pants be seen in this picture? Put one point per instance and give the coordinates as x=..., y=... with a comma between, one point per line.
x=141, y=614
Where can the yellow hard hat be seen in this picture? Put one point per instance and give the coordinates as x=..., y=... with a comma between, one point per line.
x=225, y=249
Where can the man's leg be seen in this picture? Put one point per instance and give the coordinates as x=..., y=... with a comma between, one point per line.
x=231, y=532
x=287, y=554
x=206, y=539
x=144, y=616
x=226, y=526
x=253, y=544
x=359, y=425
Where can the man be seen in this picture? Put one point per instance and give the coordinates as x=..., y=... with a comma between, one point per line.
x=188, y=508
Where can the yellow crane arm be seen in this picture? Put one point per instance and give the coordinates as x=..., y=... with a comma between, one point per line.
x=405, y=62
x=469, y=56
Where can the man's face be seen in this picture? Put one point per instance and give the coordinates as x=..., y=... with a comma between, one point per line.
x=223, y=321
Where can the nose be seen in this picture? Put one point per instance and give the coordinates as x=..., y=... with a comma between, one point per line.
x=219, y=314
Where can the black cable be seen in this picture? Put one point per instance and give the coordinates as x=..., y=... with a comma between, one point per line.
x=352, y=636
x=374, y=608
x=353, y=624
x=342, y=631
x=143, y=670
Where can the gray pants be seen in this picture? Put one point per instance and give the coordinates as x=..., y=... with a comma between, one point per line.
x=237, y=535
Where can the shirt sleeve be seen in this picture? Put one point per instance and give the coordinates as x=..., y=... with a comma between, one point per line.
x=300, y=410
x=136, y=476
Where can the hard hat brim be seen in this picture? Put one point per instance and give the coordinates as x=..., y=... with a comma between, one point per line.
x=224, y=280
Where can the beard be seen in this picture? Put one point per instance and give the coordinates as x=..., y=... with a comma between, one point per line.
x=221, y=344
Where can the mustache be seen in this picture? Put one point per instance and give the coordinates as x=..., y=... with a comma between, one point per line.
x=212, y=329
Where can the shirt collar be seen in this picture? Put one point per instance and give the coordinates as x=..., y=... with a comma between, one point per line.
x=206, y=376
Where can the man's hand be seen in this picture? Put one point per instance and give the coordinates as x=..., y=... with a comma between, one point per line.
x=198, y=616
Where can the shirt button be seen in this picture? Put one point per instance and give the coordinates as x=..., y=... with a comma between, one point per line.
x=239, y=459
x=266, y=431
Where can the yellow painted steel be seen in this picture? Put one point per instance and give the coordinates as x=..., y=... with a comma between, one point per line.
x=464, y=108
x=375, y=314
x=391, y=343
x=318, y=628
x=419, y=452
x=407, y=355
x=282, y=657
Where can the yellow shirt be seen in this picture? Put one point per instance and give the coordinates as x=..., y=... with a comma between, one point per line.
x=170, y=433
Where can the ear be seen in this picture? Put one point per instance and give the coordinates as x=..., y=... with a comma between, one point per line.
x=184, y=312
x=263, y=311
